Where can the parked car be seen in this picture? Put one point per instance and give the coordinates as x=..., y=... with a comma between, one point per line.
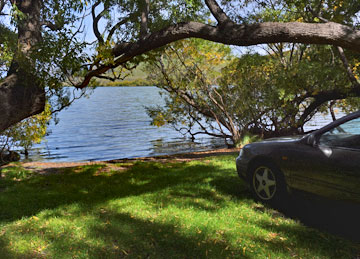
x=325, y=162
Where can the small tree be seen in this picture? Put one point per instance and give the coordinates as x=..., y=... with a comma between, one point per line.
x=211, y=92
x=189, y=72
x=25, y=133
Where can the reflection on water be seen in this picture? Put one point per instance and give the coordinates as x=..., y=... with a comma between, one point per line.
x=113, y=124
x=184, y=145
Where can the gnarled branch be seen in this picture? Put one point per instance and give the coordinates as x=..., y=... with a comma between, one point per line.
x=240, y=35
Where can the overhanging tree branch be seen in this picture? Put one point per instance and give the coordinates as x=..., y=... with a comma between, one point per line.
x=235, y=34
x=325, y=96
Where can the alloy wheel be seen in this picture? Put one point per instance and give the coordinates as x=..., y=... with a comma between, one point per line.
x=264, y=183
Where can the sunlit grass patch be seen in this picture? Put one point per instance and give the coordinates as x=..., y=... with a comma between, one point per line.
x=195, y=209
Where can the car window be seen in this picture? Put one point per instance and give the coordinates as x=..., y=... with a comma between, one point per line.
x=345, y=135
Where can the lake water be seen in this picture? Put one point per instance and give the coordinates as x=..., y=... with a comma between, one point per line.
x=113, y=124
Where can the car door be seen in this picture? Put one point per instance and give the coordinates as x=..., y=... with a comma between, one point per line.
x=331, y=167
x=344, y=176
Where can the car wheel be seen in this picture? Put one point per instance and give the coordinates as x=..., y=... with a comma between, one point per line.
x=267, y=183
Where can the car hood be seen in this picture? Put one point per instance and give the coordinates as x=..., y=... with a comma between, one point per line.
x=284, y=139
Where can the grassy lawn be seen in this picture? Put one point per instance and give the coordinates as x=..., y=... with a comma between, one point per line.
x=197, y=209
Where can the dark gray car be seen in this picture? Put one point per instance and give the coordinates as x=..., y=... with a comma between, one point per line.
x=325, y=162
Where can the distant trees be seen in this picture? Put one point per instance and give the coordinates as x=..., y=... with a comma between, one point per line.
x=209, y=91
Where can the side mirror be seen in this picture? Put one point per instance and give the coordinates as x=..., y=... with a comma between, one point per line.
x=311, y=140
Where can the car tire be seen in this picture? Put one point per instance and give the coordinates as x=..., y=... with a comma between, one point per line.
x=267, y=184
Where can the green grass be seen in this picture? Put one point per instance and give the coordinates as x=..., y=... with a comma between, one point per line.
x=197, y=209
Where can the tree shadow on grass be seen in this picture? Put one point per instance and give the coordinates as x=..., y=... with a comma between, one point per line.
x=317, y=244
x=87, y=186
x=126, y=236
x=115, y=234
x=159, y=240
x=118, y=234
x=335, y=217
x=339, y=219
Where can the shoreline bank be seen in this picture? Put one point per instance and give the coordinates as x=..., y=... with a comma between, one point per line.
x=181, y=157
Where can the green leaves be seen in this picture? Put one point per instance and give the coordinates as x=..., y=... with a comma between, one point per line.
x=27, y=132
x=16, y=15
x=211, y=91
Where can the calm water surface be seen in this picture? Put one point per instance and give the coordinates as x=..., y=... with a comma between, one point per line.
x=113, y=124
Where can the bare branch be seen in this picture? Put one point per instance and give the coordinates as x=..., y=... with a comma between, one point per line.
x=292, y=53
x=325, y=96
x=114, y=77
x=331, y=109
x=96, y=19
x=347, y=67
x=52, y=26
x=63, y=106
x=217, y=12
x=205, y=131
x=317, y=12
x=116, y=27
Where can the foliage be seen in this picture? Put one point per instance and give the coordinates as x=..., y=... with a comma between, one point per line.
x=210, y=92
x=197, y=209
x=279, y=88
x=27, y=132
x=293, y=10
x=189, y=71
x=248, y=138
x=56, y=59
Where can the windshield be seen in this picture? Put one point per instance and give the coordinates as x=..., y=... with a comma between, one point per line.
x=345, y=135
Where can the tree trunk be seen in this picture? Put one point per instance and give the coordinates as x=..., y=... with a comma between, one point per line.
x=21, y=93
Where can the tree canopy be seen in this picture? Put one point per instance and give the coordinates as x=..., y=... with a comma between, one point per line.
x=211, y=91
x=43, y=49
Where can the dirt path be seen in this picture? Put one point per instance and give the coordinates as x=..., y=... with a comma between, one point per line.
x=176, y=157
